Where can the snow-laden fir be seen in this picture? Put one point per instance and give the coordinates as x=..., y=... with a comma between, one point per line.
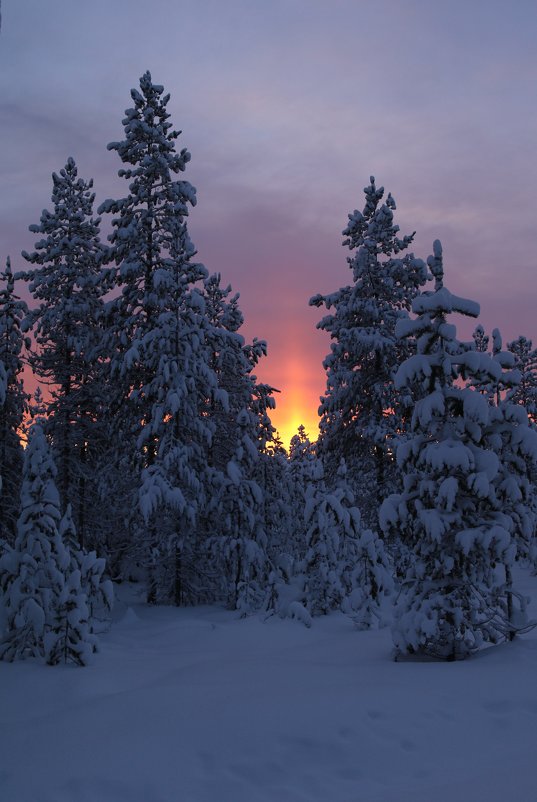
x=457, y=513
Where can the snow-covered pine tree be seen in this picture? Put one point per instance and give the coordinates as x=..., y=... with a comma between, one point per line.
x=345, y=566
x=70, y=636
x=67, y=324
x=3, y=383
x=481, y=340
x=322, y=566
x=38, y=408
x=233, y=362
x=263, y=403
x=367, y=574
x=278, y=514
x=235, y=510
x=149, y=229
x=497, y=387
x=3, y=387
x=121, y=532
x=287, y=583
x=456, y=590
x=304, y=470
x=158, y=329
x=507, y=435
x=243, y=538
x=301, y=449
x=67, y=638
x=514, y=438
x=525, y=392
x=176, y=436
x=50, y=585
x=361, y=413
x=98, y=589
x=32, y=573
x=516, y=446
x=13, y=310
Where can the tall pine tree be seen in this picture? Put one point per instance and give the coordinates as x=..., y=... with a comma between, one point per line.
x=158, y=330
x=236, y=509
x=67, y=325
x=457, y=592
x=32, y=572
x=13, y=343
x=525, y=392
x=361, y=414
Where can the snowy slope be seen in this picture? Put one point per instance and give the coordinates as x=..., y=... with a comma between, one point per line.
x=194, y=705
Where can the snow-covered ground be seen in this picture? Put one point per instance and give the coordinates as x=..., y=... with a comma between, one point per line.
x=195, y=705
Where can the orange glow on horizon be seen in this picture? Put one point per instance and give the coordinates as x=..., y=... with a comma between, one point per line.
x=287, y=421
x=298, y=399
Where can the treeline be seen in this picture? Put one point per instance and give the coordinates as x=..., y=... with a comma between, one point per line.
x=151, y=446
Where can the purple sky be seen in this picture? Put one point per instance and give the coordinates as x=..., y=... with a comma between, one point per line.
x=287, y=107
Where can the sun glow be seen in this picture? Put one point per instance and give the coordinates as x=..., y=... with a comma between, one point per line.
x=296, y=404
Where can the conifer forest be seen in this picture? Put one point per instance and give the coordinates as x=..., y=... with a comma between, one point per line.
x=268, y=438
x=147, y=454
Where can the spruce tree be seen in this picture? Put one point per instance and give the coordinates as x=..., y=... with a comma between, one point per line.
x=514, y=442
x=506, y=430
x=279, y=515
x=53, y=590
x=3, y=383
x=85, y=595
x=236, y=509
x=345, y=566
x=32, y=573
x=149, y=231
x=3, y=386
x=456, y=591
x=304, y=468
x=13, y=343
x=175, y=440
x=525, y=392
x=233, y=362
x=67, y=638
x=287, y=592
x=67, y=324
x=158, y=329
x=244, y=541
x=361, y=414
x=301, y=449
x=481, y=340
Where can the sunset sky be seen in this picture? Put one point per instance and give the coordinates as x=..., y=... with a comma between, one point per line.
x=287, y=107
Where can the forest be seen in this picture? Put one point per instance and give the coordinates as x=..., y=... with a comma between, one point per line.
x=147, y=454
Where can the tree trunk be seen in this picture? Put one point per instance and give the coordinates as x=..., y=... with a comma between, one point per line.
x=81, y=518
x=509, y=581
x=178, y=585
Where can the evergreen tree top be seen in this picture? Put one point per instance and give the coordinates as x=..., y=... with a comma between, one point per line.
x=222, y=310
x=39, y=474
x=8, y=277
x=149, y=146
x=13, y=311
x=150, y=241
x=73, y=201
x=12, y=308
x=383, y=281
x=374, y=227
x=70, y=250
